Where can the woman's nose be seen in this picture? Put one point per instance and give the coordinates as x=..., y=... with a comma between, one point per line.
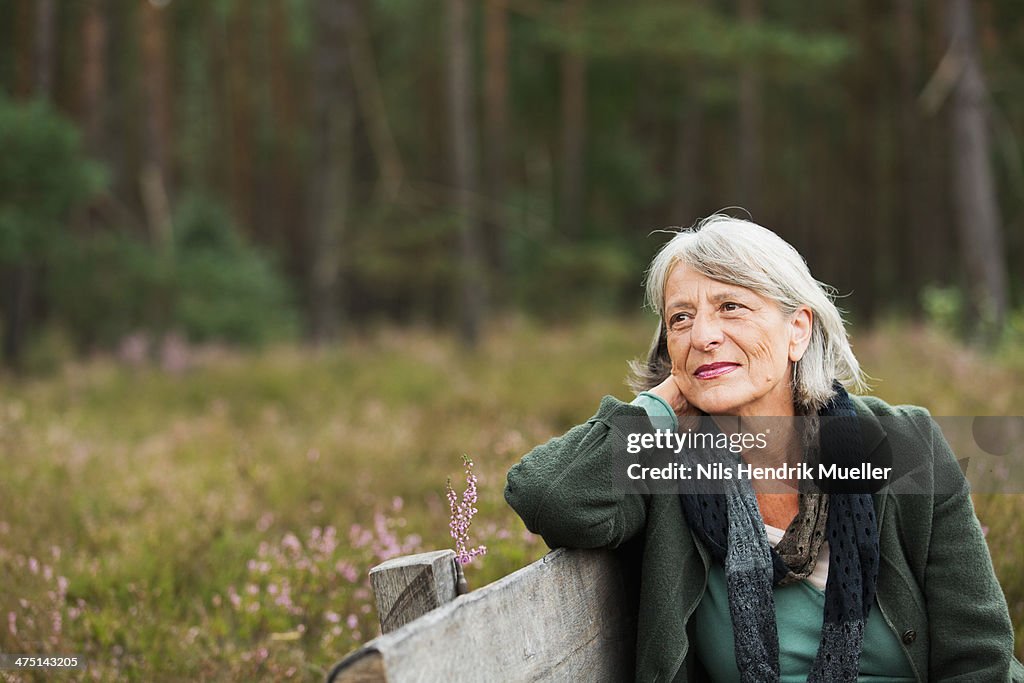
x=706, y=332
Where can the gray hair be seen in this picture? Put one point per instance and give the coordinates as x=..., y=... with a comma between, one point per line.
x=742, y=253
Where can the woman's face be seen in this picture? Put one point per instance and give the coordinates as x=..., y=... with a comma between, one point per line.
x=731, y=347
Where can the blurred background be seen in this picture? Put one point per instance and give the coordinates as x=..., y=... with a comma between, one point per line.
x=292, y=168
x=268, y=268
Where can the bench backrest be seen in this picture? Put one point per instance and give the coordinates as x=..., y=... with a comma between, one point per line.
x=566, y=616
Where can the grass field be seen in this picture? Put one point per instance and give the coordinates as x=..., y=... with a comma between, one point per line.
x=218, y=524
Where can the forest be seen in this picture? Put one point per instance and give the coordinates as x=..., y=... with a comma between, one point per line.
x=248, y=171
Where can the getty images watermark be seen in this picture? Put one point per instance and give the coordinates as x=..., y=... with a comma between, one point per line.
x=904, y=454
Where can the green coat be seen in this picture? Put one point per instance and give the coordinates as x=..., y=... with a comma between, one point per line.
x=936, y=586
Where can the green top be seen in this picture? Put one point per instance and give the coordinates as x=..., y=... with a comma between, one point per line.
x=798, y=613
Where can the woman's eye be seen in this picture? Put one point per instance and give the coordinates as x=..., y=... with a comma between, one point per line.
x=680, y=318
x=731, y=306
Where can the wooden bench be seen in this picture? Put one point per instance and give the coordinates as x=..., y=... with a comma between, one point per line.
x=567, y=616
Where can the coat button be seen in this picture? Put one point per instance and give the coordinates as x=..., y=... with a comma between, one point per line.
x=909, y=636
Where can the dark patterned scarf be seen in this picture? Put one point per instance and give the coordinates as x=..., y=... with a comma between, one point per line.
x=729, y=524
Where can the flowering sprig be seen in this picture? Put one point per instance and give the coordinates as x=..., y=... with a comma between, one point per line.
x=462, y=516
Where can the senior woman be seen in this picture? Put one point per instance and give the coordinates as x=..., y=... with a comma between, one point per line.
x=757, y=584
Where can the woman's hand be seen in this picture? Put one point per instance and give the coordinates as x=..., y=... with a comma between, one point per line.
x=669, y=392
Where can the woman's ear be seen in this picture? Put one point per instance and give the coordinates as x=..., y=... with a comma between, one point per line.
x=800, y=325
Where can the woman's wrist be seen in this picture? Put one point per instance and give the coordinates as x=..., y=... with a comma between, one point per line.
x=656, y=407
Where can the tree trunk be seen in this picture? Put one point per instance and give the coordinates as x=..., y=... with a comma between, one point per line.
x=464, y=154
x=496, y=131
x=289, y=204
x=16, y=279
x=240, y=119
x=17, y=284
x=94, y=74
x=938, y=256
x=687, y=180
x=154, y=177
x=749, y=153
x=977, y=213
x=45, y=60
x=867, y=242
x=574, y=124
x=685, y=194
x=331, y=184
x=370, y=96
x=22, y=36
x=909, y=214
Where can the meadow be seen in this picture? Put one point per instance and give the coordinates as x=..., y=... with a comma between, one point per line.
x=217, y=522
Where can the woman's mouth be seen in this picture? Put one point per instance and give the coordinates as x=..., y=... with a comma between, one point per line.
x=713, y=370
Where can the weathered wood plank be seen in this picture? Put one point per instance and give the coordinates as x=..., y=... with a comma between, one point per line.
x=564, y=617
x=409, y=586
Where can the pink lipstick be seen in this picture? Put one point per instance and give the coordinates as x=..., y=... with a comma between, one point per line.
x=713, y=370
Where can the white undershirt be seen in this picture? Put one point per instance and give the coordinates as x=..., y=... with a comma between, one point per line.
x=820, y=573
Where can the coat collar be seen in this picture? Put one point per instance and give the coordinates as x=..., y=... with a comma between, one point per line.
x=875, y=442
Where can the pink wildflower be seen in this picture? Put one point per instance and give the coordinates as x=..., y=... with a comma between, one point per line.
x=292, y=543
x=347, y=571
x=264, y=522
x=462, y=512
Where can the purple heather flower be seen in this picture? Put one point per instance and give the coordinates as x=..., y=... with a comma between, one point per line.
x=462, y=512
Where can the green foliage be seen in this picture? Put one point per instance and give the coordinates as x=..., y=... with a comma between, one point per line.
x=203, y=225
x=108, y=285
x=1012, y=342
x=43, y=175
x=944, y=308
x=673, y=31
x=404, y=263
x=211, y=285
x=224, y=288
x=50, y=351
x=586, y=277
x=300, y=27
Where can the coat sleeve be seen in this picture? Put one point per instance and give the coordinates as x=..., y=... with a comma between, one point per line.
x=565, y=489
x=971, y=634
